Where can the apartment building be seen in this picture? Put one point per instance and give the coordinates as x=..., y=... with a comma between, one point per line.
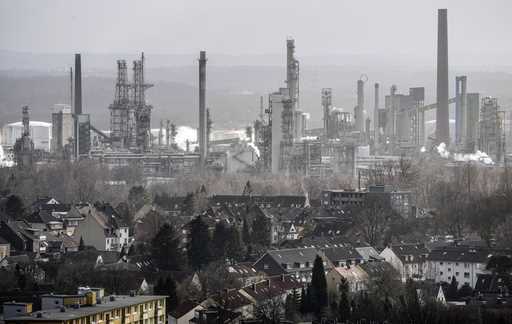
x=110, y=310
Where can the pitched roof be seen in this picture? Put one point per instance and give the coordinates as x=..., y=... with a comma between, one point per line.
x=465, y=254
x=183, y=308
x=42, y=216
x=493, y=283
x=231, y=299
x=352, y=273
x=290, y=256
x=418, y=251
x=375, y=269
x=368, y=253
x=104, y=214
x=243, y=269
x=342, y=253
x=319, y=242
x=3, y=241
x=272, y=287
x=273, y=201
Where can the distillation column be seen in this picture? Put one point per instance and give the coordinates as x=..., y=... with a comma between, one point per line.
x=460, y=109
x=326, y=104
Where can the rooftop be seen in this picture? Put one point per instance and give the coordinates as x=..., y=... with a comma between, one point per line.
x=72, y=313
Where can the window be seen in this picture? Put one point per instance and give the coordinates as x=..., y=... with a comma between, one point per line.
x=466, y=274
x=456, y=263
x=265, y=266
x=449, y=269
x=440, y=263
x=441, y=273
x=456, y=274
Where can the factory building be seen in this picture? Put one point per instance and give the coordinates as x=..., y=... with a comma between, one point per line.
x=130, y=115
x=460, y=110
x=282, y=127
x=491, y=139
x=62, y=128
x=472, y=121
x=24, y=146
x=402, y=119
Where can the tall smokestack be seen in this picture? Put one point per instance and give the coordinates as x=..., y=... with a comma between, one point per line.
x=359, y=111
x=71, y=88
x=376, y=110
x=78, y=84
x=442, y=113
x=202, y=133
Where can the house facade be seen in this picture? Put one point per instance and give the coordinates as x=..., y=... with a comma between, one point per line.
x=297, y=262
x=465, y=263
x=102, y=228
x=408, y=259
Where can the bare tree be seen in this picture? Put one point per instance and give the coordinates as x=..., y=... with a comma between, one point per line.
x=372, y=220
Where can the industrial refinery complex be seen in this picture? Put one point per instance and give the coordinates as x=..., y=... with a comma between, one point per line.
x=279, y=141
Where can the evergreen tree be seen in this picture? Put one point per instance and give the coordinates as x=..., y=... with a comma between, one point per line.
x=131, y=250
x=199, y=244
x=234, y=247
x=290, y=306
x=318, y=287
x=14, y=207
x=261, y=230
x=344, y=304
x=413, y=307
x=246, y=235
x=304, y=301
x=124, y=248
x=452, y=289
x=81, y=245
x=165, y=250
x=137, y=197
x=465, y=291
x=188, y=204
x=219, y=240
x=167, y=287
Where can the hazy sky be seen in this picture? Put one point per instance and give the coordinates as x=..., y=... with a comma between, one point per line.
x=479, y=30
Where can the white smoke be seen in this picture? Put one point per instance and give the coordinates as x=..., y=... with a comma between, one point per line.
x=186, y=133
x=441, y=149
x=478, y=156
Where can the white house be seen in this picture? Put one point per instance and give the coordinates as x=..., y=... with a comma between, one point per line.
x=408, y=259
x=103, y=228
x=464, y=263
